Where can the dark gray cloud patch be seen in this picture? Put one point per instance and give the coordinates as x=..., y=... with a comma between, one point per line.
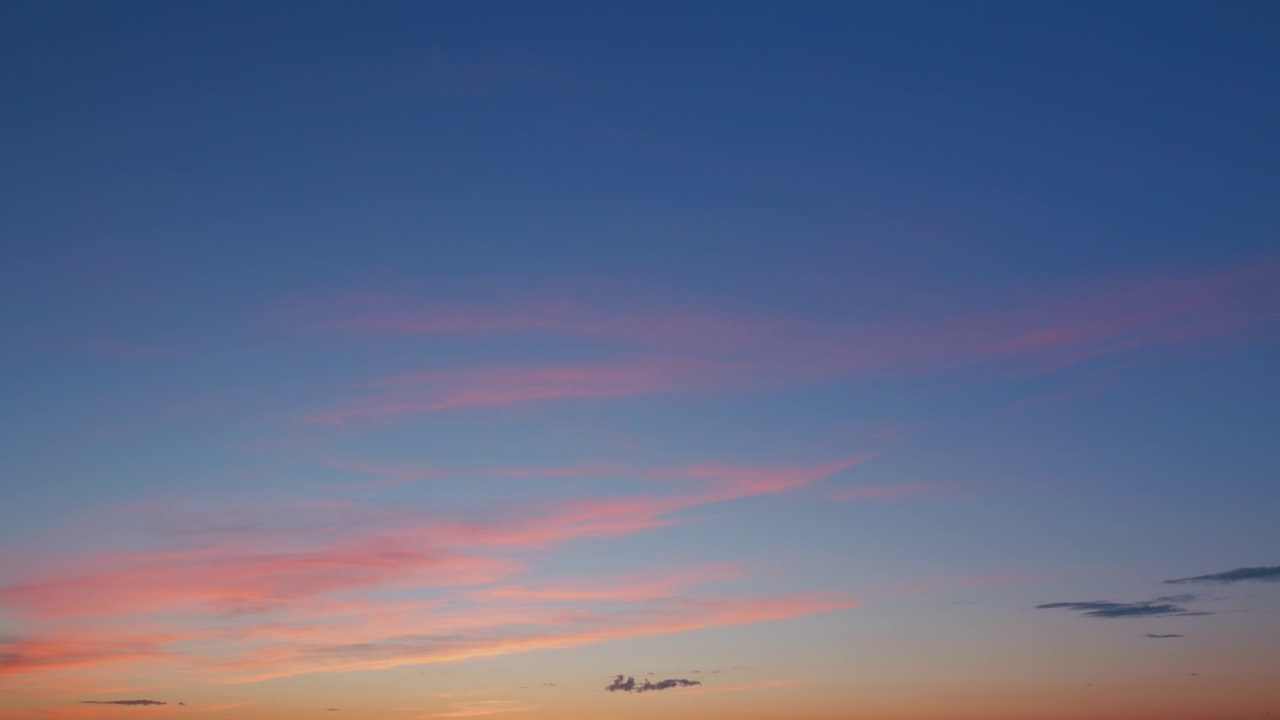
x=122, y=702
x=1158, y=637
x=1245, y=574
x=1171, y=605
x=629, y=684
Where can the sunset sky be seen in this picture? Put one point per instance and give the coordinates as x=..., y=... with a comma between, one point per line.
x=694, y=360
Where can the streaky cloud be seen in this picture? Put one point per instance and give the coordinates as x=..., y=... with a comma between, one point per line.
x=1171, y=605
x=671, y=347
x=123, y=702
x=1161, y=637
x=1270, y=573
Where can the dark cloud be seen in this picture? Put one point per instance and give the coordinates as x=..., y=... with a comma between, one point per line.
x=1246, y=574
x=630, y=684
x=122, y=702
x=1147, y=608
x=1153, y=635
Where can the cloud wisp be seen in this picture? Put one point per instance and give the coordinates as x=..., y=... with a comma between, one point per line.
x=502, y=386
x=480, y=708
x=364, y=587
x=122, y=702
x=1161, y=606
x=1162, y=637
x=1267, y=574
x=630, y=685
x=659, y=347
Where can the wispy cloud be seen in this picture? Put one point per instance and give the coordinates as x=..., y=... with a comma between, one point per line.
x=1161, y=637
x=1171, y=605
x=480, y=708
x=1245, y=574
x=122, y=702
x=660, y=347
x=631, y=588
x=504, y=386
x=94, y=711
x=271, y=595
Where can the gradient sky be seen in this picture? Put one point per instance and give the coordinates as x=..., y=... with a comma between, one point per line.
x=437, y=360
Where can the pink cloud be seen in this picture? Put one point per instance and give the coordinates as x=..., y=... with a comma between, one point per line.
x=648, y=322
x=55, y=652
x=242, y=578
x=550, y=631
x=734, y=479
x=668, y=348
x=393, y=473
x=268, y=596
x=634, y=588
x=1088, y=321
x=503, y=386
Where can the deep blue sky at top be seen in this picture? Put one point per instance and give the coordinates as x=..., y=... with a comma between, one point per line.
x=207, y=155
x=170, y=172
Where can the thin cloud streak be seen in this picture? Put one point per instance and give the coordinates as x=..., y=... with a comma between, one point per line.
x=248, y=599
x=675, y=349
x=1268, y=574
x=505, y=386
x=632, y=588
x=480, y=708
x=1162, y=606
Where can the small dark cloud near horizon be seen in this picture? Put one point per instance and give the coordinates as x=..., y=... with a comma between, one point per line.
x=1154, y=635
x=123, y=702
x=1171, y=605
x=629, y=684
x=1269, y=573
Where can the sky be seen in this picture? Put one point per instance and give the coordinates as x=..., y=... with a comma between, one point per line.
x=559, y=361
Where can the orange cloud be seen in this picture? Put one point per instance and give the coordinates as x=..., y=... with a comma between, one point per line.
x=483, y=707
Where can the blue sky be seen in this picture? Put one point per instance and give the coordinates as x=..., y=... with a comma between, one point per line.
x=819, y=342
